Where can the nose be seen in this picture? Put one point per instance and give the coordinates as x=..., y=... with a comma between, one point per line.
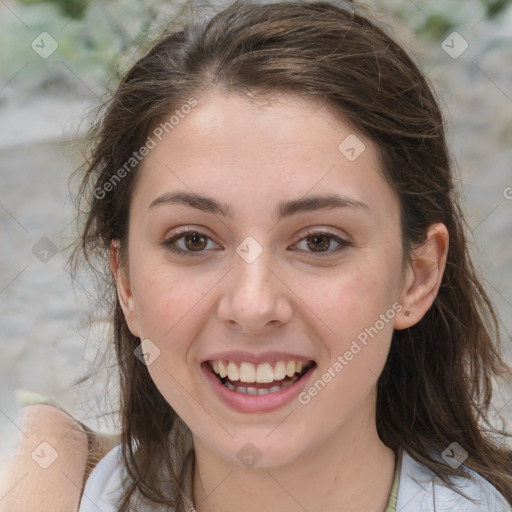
x=254, y=297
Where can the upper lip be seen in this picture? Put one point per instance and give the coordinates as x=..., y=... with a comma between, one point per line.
x=264, y=357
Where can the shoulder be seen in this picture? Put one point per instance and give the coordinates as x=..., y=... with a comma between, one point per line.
x=420, y=490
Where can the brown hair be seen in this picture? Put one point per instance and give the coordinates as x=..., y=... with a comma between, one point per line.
x=436, y=385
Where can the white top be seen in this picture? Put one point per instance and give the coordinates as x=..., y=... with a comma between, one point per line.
x=104, y=485
x=420, y=490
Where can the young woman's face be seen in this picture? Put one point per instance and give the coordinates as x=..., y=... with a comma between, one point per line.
x=293, y=254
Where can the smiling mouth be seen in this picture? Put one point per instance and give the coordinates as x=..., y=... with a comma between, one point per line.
x=271, y=383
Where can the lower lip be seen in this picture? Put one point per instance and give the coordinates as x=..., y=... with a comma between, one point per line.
x=256, y=403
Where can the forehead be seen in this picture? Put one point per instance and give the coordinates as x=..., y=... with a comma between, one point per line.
x=246, y=151
x=224, y=121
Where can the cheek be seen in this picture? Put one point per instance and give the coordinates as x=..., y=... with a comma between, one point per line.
x=165, y=298
x=356, y=295
x=358, y=306
x=358, y=309
x=173, y=306
x=171, y=311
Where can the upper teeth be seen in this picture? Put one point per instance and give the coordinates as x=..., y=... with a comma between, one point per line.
x=248, y=372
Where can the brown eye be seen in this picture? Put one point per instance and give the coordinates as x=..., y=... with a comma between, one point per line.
x=318, y=242
x=322, y=243
x=195, y=241
x=190, y=243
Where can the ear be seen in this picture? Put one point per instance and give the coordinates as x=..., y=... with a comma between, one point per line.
x=423, y=277
x=124, y=290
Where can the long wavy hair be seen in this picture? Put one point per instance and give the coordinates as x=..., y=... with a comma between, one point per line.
x=437, y=383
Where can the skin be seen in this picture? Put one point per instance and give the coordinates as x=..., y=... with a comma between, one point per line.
x=293, y=297
x=46, y=469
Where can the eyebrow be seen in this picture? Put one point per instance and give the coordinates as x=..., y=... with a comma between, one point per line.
x=283, y=209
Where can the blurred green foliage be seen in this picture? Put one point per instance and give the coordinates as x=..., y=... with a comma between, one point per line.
x=435, y=26
x=94, y=38
x=432, y=20
x=495, y=7
x=98, y=39
x=71, y=8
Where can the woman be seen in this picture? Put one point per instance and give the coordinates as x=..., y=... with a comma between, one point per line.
x=297, y=320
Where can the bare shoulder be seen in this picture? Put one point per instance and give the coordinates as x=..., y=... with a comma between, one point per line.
x=50, y=463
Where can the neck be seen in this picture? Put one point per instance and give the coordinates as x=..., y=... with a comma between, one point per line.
x=350, y=471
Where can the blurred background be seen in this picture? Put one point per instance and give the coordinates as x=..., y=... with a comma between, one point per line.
x=58, y=60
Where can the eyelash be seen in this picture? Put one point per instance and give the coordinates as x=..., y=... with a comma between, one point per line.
x=169, y=243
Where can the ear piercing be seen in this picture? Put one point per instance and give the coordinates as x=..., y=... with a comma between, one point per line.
x=407, y=312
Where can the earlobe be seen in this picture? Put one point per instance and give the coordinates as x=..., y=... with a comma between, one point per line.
x=423, y=277
x=124, y=290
